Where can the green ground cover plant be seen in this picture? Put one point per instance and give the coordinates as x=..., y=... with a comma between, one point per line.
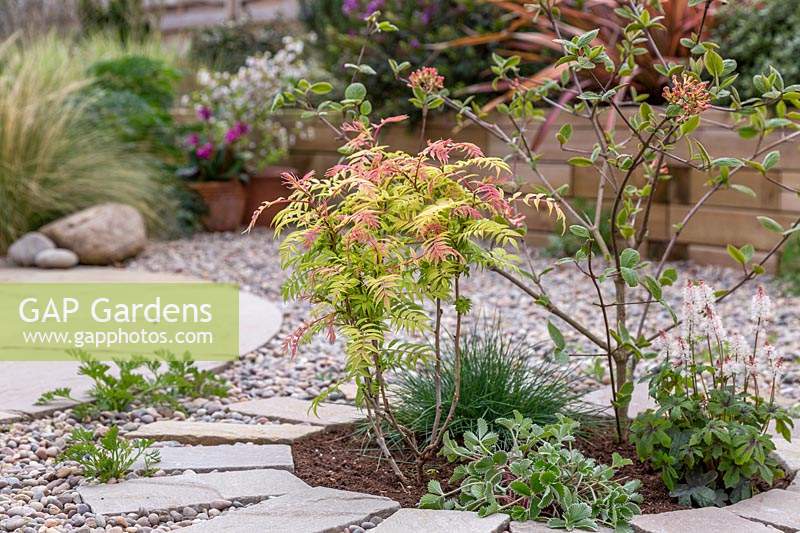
x=110, y=456
x=538, y=476
x=160, y=382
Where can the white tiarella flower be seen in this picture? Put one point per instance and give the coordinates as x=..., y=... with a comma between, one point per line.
x=738, y=347
x=761, y=306
x=690, y=313
x=773, y=363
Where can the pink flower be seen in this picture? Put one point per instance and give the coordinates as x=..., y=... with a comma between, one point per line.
x=192, y=139
x=204, y=113
x=205, y=151
x=427, y=79
x=236, y=132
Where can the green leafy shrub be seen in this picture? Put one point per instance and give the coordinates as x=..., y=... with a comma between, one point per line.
x=140, y=379
x=226, y=47
x=708, y=436
x=133, y=95
x=497, y=378
x=338, y=25
x=126, y=19
x=111, y=457
x=759, y=35
x=540, y=476
x=54, y=160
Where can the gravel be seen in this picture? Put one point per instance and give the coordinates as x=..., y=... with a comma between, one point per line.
x=37, y=493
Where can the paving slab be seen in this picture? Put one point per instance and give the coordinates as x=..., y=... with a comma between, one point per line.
x=8, y=418
x=292, y=410
x=174, y=492
x=407, y=520
x=541, y=527
x=794, y=486
x=787, y=453
x=777, y=508
x=22, y=382
x=640, y=401
x=223, y=458
x=212, y=433
x=705, y=520
x=314, y=510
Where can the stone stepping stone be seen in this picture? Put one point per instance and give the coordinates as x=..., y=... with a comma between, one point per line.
x=313, y=510
x=174, y=492
x=777, y=508
x=8, y=418
x=211, y=433
x=407, y=520
x=706, y=520
x=795, y=485
x=292, y=410
x=788, y=453
x=540, y=527
x=223, y=458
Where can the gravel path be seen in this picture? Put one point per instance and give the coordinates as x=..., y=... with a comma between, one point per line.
x=37, y=494
x=251, y=261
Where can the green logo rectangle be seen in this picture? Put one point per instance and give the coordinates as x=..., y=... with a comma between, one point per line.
x=41, y=321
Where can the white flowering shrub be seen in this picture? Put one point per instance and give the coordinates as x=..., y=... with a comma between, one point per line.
x=709, y=434
x=245, y=97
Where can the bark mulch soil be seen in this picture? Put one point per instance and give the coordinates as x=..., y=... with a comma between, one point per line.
x=343, y=460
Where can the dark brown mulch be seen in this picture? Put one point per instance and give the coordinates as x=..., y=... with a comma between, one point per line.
x=601, y=444
x=341, y=460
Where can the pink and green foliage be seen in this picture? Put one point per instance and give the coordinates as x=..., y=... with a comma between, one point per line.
x=384, y=233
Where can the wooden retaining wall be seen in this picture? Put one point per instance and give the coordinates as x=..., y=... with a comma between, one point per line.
x=727, y=217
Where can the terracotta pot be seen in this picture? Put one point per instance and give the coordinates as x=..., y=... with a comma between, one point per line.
x=265, y=186
x=225, y=201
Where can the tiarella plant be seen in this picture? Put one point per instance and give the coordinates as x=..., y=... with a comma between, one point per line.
x=540, y=476
x=633, y=144
x=709, y=435
x=380, y=236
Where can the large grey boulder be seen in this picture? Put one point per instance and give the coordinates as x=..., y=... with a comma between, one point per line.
x=100, y=235
x=56, y=258
x=25, y=249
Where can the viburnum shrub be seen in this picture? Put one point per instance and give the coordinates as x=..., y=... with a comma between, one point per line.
x=709, y=434
x=540, y=476
x=629, y=161
x=380, y=235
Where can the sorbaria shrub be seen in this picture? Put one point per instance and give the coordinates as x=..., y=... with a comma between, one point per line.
x=709, y=434
x=379, y=236
x=540, y=476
